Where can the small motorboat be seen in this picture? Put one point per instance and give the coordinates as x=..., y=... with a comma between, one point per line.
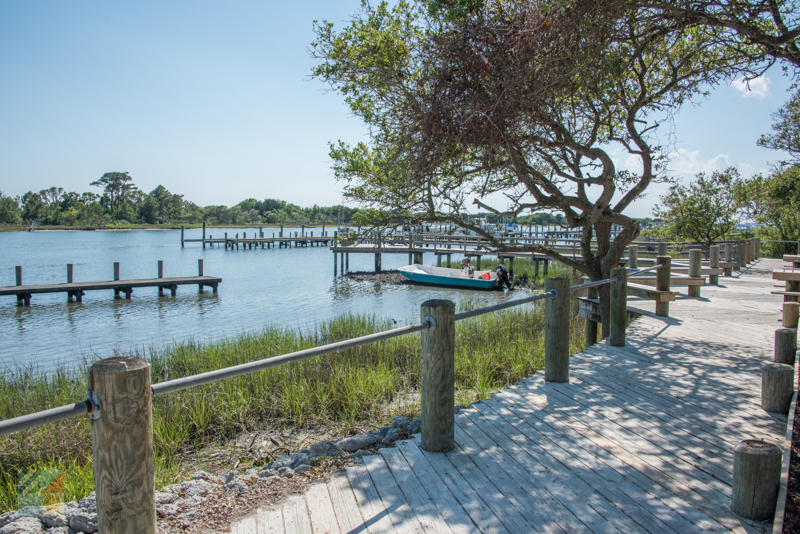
x=464, y=278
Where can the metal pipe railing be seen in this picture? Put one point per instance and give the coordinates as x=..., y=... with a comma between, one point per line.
x=162, y=388
x=642, y=271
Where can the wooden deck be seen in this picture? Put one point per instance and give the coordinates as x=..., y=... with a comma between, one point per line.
x=640, y=440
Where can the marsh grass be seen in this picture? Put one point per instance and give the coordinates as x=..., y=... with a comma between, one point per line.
x=358, y=388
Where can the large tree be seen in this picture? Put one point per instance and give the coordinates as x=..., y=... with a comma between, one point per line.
x=503, y=98
x=703, y=211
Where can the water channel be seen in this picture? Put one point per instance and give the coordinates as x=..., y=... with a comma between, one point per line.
x=287, y=288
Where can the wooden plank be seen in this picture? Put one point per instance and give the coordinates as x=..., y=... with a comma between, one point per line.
x=109, y=284
x=621, y=489
x=320, y=510
x=269, y=521
x=458, y=503
x=295, y=516
x=543, y=510
x=400, y=513
x=591, y=506
x=415, y=495
x=649, y=293
x=344, y=503
x=374, y=511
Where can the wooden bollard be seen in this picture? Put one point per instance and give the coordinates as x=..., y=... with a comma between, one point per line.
x=740, y=260
x=662, y=249
x=791, y=314
x=122, y=446
x=204, y=234
x=786, y=345
x=619, y=307
x=18, y=274
x=591, y=326
x=556, y=331
x=713, y=262
x=756, y=479
x=116, y=270
x=695, y=270
x=437, y=377
x=200, y=267
x=161, y=268
x=633, y=256
x=777, y=387
x=663, y=277
x=69, y=273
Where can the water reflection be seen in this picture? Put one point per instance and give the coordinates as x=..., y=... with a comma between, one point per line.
x=291, y=288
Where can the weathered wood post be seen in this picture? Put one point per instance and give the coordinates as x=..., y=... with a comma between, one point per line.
x=378, y=262
x=748, y=254
x=777, y=387
x=756, y=479
x=662, y=249
x=122, y=446
x=69, y=273
x=160, y=275
x=116, y=277
x=713, y=262
x=786, y=345
x=181, y=236
x=591, y=326
x=619, y=307
x=728, y=252
x=633, y=256
x=200, y=267
x=18, y=274
x=740, y=260
x=791, y=314
x=695, y=270
x=556, y=331
x=204, y=234
x=663, y=276
x=437, y=376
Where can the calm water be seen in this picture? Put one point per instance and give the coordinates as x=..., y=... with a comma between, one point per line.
x=291, y=288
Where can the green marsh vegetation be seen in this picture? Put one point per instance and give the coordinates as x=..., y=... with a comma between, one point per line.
x=336, y=395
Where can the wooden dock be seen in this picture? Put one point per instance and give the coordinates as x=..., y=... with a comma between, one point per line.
x=76, y=290
x=640, y=440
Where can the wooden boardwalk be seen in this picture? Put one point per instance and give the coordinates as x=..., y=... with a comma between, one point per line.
x=640, y=440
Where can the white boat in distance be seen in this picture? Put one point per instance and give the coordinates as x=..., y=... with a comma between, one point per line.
x=443, y=276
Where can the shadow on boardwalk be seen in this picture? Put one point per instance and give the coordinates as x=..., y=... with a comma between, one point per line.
x=639, y=440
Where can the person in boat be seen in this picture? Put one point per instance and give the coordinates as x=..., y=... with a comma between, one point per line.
x=467, y=268
x=502, y=274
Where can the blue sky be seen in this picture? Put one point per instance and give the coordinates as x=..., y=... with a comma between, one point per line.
x=214, y=100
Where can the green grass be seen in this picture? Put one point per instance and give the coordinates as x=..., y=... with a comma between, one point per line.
x=361, y=387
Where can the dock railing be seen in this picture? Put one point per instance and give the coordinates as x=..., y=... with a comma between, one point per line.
x=119, y=402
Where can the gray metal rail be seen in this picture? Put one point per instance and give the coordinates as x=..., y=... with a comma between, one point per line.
x=642, y=271
x=89, y=406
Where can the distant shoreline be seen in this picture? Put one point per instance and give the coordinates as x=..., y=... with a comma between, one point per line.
x=15, y=228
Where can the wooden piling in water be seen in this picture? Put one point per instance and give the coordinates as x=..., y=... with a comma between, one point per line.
x=181, y=236
x=437, y=377
x=122, y=446
x=18, y=274
x=556, y=332
x=204, y=235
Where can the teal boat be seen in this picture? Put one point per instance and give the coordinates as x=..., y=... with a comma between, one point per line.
x=444, y=277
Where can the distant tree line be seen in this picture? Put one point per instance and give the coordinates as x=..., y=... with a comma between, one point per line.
x=121, y=202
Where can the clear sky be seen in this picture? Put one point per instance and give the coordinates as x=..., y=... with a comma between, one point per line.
x=214, y=100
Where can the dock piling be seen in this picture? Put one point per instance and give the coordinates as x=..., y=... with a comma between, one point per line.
x=69, y=273
x=204, y=234
x=713, y=262
x=181, y=236
x=695, y=270
x=663, y=278
x=556, y=331
x=18, y=273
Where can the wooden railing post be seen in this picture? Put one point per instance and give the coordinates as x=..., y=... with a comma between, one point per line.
x=619, y=307
x=556, y=331
x=200, y=267
x=69, y=273
x=18, y=274
x=791, y=314
x=713, y=262
x=204, y=234
x=437, y=377
x=740, y=261
x=122, y=446
x=591, y=326
x=181, y=236
x=695, y=269
x=662, y=249
x=663, y=276
x=633, y=256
